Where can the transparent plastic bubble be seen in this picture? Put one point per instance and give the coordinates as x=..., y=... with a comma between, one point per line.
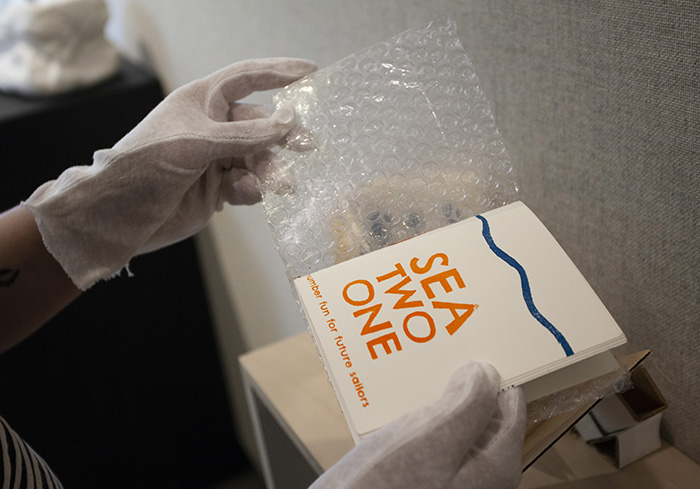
x=400, y=140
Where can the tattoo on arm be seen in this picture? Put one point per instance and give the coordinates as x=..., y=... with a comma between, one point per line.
x=8, y=276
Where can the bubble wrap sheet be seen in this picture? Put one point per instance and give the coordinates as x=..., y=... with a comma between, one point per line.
x=397, y=140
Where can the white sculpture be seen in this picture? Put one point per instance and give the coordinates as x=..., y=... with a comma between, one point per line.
x=54, y=46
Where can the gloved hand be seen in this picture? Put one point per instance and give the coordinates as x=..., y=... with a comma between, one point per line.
x=471, y=438
x=162, y=182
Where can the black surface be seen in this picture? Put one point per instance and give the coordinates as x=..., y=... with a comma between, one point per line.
x=289, y=469
x=123, y=388
x=40, y=137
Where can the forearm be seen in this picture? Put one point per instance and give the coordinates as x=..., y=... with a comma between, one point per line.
x=161, y=183
x=33, y=286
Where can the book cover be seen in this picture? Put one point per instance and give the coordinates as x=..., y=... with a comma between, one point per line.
x=391, y=326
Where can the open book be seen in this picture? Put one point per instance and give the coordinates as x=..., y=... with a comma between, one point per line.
x=393, y=325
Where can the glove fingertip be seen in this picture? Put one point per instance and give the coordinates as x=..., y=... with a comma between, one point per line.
x=512, y=406
x=241, y=188
x=483, y=376
x=293, y=67
x=303, y=67
x=285, y=115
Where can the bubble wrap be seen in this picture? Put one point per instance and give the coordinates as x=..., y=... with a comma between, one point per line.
x=396, y=140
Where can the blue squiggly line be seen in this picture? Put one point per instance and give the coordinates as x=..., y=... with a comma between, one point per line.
x=525, y=284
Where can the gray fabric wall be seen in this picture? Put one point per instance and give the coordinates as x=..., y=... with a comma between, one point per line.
x=598, y=105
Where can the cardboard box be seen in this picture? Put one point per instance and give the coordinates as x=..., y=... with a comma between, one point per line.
x=542, y=435
x=631, y=444
x=626, y=426
x=626, y=409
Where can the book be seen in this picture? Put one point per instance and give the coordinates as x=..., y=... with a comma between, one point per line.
x=393, y=325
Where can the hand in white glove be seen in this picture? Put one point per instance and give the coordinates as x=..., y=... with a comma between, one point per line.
x=162, y=182
x=471, y=438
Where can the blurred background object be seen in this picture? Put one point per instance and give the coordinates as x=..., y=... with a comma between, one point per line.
x=54, y=46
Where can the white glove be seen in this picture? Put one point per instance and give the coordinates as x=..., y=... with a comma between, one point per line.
x=162, y=182
x=471, y=438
